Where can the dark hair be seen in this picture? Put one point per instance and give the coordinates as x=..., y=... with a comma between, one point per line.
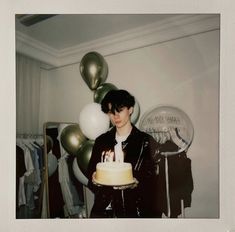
x=118, y=99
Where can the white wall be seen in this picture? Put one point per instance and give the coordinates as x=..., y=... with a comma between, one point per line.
x=183, y=73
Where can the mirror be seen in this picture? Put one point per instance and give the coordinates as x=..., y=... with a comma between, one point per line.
x=65, y=193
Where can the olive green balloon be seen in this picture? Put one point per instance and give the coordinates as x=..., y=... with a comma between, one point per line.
x=102, y=90
x=72, y=138
x=84, y=155
x=94, y=69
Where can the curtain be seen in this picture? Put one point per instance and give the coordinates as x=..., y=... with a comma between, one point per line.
x=28, y=75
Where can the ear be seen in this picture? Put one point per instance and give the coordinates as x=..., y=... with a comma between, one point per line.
x=131, y=110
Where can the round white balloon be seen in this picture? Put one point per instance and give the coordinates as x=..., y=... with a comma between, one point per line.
x=78, y=173
x=168, y=123
x=93, y=122
x=52, y=163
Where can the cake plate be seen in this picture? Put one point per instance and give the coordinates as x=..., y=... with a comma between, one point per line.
x=118, y=187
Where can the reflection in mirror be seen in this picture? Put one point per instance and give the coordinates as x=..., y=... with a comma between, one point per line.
x=63, y=195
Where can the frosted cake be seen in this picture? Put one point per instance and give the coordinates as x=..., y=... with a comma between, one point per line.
x=113, y=173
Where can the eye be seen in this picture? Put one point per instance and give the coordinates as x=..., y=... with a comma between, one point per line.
x=120, y=109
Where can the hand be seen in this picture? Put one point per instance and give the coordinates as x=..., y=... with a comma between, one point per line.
x=107, y=156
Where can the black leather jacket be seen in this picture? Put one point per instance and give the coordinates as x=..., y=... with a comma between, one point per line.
x=140, y=149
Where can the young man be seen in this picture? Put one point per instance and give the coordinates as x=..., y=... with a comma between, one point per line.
x=125, y=143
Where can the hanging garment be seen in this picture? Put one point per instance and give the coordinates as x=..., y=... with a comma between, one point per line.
x=31, y=180
x=21, y=192
x=180, y=182
x=27, y=158
x=78, y=185
x=20, y=169
x=28, y=184
x=37, y=169
x=56, y=202
x=39, y=149
x=29, y=170
x=69, y=192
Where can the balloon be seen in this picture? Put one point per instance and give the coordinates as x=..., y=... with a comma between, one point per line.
x=49, y=143
x=78, y=173
x=94, y=69
x=84, y=155
x=168, y=123
x=52, y=163
x=61, y=128
x=93, y=121
x=136, y=112
x=72, y=138
x=102, y=90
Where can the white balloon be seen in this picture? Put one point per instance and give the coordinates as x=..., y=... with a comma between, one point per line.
x=78, y=173
x=52, y=163
x=93, y=122
x=166, y=122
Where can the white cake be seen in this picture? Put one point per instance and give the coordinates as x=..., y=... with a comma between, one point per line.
x=113, y=173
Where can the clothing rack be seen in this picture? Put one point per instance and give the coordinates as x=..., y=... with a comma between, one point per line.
x=26, y=135
x=182, y=145
x=26, y=141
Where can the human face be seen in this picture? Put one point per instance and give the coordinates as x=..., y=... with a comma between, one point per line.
x=122, y=118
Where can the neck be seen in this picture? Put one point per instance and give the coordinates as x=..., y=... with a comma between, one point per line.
x=122, y=131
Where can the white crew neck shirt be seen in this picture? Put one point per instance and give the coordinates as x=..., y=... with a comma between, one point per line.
x=119, y=155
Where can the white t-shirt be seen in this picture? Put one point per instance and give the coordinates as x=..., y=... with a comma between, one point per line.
x=119, y=155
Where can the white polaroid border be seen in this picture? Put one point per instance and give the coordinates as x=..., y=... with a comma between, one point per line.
x=226, y=221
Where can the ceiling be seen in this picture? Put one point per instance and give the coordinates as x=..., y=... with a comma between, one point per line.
x=64, y=39
x=68, y=30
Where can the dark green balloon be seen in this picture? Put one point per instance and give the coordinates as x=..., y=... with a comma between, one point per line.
x=84, y=155
x=72, y=139
x=94, y=69
x=102, y=90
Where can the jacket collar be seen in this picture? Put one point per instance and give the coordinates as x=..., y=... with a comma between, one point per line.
x=112, y=132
